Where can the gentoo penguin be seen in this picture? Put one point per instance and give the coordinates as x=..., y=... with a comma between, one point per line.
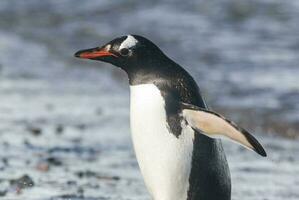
x=174, y=133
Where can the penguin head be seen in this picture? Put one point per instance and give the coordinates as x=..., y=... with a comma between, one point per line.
x=127, y=52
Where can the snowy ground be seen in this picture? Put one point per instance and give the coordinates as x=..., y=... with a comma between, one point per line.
x=73, y=146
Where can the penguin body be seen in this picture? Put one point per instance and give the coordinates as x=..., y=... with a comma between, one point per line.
x=166, y=161
x=172, y=129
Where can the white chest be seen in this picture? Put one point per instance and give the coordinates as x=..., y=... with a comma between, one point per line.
x=164, y=160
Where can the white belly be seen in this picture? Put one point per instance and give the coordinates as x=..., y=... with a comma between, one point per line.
x=164, y=160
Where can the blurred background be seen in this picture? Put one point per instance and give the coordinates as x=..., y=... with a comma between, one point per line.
x=59, y=137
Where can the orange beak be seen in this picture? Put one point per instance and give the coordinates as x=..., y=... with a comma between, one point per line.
x=94, y=53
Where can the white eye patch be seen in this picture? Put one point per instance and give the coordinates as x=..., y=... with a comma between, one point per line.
x=108, y=47
x=129, y=42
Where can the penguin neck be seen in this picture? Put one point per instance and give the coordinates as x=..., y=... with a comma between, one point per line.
x=155, y=71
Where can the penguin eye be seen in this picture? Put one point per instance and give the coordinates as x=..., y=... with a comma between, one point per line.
x=124, y=52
